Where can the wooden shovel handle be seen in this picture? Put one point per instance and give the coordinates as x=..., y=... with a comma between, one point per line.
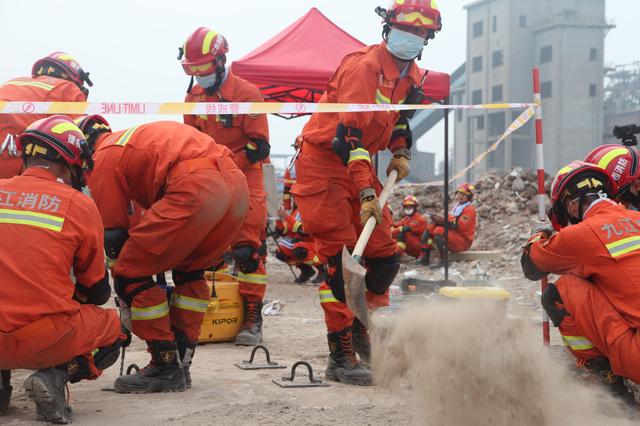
x=371, y=222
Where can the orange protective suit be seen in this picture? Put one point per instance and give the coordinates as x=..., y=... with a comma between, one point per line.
x=296, y=246
x=327, y=192
x=235, y=131
x=49, y=229
x=600, y=286
x=462, y=230
x=409, y=241
x=195, y=200
x=39, y=89
x=289, y=179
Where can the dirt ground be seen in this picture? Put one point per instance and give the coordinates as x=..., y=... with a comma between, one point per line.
x=224, y=394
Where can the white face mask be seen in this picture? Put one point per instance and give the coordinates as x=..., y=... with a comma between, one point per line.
x=206, y=81
x=404, y=45
x=408, y=212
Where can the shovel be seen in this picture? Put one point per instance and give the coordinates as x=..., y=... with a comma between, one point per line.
x=352, y=272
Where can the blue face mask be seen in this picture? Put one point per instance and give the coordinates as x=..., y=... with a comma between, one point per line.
x=404, y=45
x=206, y=80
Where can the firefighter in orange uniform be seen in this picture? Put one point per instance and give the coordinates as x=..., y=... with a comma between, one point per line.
x=54, y=78
x=195, y=199
x=408, y=231
x=336, y=188
x=595, y=303
x=48, y=322
x=462, y=226
x=204, y=58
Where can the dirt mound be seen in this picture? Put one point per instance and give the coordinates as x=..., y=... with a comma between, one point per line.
x=466, y=364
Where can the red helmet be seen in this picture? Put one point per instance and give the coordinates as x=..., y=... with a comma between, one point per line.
x=414, y=13
x=203, y=51
x=54, y=138
x=466, y=189
x=575, y=180
x=62, y=65
x=622, y=163
x=410, y=201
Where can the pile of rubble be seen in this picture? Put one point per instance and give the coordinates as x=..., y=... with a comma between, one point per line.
x=507, y=208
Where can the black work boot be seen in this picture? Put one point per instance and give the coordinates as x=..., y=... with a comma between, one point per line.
x=306, y=272
x=614, y=384
x=424, y=257
x=343, y=364
x=361, y=341
x=186, y=350
x=5, y=391
x=323, y=275
x=46, y=388
x=163, y=374
x=251, y=332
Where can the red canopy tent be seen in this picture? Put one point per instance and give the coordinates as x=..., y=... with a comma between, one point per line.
x=296, y=64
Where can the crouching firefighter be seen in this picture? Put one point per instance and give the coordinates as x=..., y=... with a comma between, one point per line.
x=195, y=199
x=49, y=323
x=595, y=303
x=337, y=190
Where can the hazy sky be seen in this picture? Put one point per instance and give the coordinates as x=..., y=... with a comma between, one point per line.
x=130, y=46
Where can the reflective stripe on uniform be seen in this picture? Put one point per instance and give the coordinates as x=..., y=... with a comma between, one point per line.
x=624, y=246
x=37, y=84
x=41, y=220
x=577, y=343
x=382, y=99
x=359, y=154
x=150, y=313
x=297, y=226
x=252, y=278
x=189, y=303
x=124, y=138
x=326, y=296
x=313, y=261
x=401, y=245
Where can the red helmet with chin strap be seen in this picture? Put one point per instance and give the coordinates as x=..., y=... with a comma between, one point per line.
x=576, y=179
x=622, y=162
x=410, y=201
x=56, y=138
x=62, y=65
x=203, y=52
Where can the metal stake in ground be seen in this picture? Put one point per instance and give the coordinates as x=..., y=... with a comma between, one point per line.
x=352, y=272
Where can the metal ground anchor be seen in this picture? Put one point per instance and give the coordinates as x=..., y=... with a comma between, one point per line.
x=287, y=382
x=249, y=365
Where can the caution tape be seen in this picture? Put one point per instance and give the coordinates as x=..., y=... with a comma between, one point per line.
x=217, y=108
x=517, y=123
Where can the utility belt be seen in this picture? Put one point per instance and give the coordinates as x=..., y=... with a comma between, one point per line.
x=188, y=166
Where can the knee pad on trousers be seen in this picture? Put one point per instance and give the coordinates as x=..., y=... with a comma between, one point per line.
x=77, y=369
x=438, y=241
x=424, y=239
x=183, y=277
x=120, y=285
x=281, y=256
x=300, y=253
x=246, y=257
x=186, y=348
x=382, y=271
x=552, y=304
x=335, y=280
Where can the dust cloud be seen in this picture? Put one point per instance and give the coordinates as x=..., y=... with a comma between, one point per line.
x=464, y=363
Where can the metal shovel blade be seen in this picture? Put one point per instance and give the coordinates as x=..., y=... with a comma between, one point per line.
x=354, y=286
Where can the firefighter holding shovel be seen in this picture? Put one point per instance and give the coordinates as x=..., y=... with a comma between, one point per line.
x=337, y=190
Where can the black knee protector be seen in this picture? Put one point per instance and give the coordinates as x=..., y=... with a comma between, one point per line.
x=114, y=239
x=336, y=280
x=300, y=253
x=438, y=241
x=381, y=273
x=121, y=284
x=183, y=277
x=186, y=348
x=550, y=299
x=425, y=237
x=77, y=369
x=401, y=237
x=281, y=256
x=246, y=257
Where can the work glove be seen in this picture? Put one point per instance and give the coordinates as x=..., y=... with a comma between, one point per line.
x=400, y=163
x=369, y=206
x=406, y=228
x=545, y=230
x=257, y=150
